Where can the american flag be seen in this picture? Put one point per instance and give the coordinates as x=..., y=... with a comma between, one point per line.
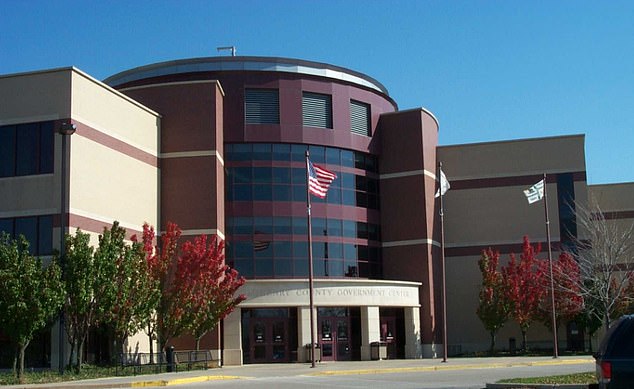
x=319, y=180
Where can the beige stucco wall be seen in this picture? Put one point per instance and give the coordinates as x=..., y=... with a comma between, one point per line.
x=104, y=109
x=106, y=183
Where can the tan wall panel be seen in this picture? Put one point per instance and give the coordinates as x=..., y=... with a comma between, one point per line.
x=511, y=158
x=480, y=216
x=28, y=195
x=464, y=328
x=107, y=185
x=100, y=107
x=35, y=96
x=614, y=197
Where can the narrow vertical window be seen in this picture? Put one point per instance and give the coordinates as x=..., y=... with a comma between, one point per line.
x=317, y=110
x=359, y=118
x=261, y=106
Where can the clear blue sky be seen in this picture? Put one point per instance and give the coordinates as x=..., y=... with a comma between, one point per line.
x=488, y=70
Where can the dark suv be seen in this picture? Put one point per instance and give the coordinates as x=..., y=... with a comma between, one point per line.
x=615, y=358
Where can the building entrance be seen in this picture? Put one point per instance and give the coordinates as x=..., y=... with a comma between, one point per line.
x=392, y=332
x=269, y=335
x=270, y=343
x=334, y=334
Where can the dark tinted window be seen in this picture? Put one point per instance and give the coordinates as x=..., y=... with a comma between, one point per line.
x=7, y=151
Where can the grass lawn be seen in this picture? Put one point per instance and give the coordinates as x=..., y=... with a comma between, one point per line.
x=579, y=378
x=87, y=372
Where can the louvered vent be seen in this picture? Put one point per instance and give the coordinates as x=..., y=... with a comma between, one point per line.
x=262, y=106
x=359, y=118
x=317, y=110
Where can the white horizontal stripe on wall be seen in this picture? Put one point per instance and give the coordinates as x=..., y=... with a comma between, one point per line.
x=207, y=231
x=408, y=174
x=193, y=154
x=411, y=242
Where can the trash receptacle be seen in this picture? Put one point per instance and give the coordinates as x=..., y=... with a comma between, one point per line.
x=169, y=357
x=309, y=353
x=512, y=346
x=378, y=350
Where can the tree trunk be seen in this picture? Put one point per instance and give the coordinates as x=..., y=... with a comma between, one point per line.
x=524, y=346
x=16, y=353
x=492, y=347
x=80, y=354
x=73, y=348
x=22, y=349
x=198, y=343
x=149, y=334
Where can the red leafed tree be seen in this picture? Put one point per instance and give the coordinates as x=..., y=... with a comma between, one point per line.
x=162, y=260
x=524, y=290
x=207, y=286
x=568, y=299
x=493, y=308
x=195, y=288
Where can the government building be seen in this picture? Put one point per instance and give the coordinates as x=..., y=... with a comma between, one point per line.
x=217, y=145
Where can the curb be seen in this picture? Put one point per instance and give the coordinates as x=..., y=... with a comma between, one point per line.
x=538, y=386
x=459, y=367
x=182, y=381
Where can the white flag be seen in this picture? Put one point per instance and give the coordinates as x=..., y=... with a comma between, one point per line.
x=535, y=192
x=444, y=185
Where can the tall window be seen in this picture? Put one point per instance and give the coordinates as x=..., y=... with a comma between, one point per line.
x=317, y=110
x=38, y=231
x=359, y=118
x=26, y=149
x=261, y=106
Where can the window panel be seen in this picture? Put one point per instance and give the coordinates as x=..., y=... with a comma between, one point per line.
x=283, y=225
x=7, y=151
x=317, y=110
x=283, y=249
x=281, y=152
x=300, y=267
x=6, y=225
x=244, y=267
x=359, y=118
x=282, y=193
x=281, y=175
x=262, y=106
x=264, y=267
x=283, y=267
x=45, y=235
x=261, y=152
x=46, y=147
x=27, y=140
x=27, y=226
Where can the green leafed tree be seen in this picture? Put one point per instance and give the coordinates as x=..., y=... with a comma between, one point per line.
x=32, y=295
x=81, y=276
x=493, y=308
x=127, y=306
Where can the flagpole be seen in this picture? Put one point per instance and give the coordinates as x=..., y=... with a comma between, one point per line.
x=552, y=281
x=310, y=267
x=442, y=257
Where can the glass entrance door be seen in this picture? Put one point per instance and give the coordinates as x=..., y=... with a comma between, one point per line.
x=270, y=343
x=334, y=334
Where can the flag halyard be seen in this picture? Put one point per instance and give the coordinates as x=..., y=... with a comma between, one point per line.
x=319, y=180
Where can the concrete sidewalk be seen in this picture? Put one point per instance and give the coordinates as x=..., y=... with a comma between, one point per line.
x=298, y=369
